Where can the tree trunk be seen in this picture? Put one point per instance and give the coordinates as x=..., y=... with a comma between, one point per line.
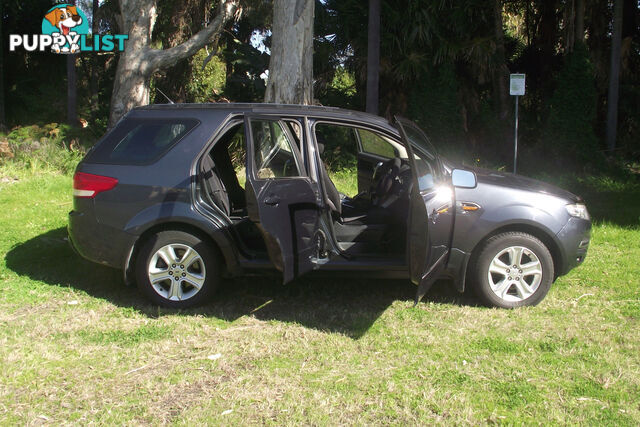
x=614, y=75
x=3, y=117
x=291, y=63
x=139, y=61
x=373, y=57
x=546, y=39
x=500, y=73
x=130, y=88
x=93, y=83
x=569, y=25
x=579, y=24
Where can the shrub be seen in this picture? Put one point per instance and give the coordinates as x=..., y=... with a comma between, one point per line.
x=206, y=85
x=51, y=146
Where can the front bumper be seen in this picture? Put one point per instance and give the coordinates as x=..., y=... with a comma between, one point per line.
x=574, y=240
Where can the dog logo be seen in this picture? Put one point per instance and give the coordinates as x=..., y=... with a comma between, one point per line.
x=65, y=29
x=65, y=23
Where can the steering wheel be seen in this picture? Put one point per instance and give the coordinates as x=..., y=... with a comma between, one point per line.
x=383, y=184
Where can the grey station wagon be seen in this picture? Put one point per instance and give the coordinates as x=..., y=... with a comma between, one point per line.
x=181, y=196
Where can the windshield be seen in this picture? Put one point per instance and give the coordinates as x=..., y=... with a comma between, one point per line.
x=418, y=139
x=425, y=159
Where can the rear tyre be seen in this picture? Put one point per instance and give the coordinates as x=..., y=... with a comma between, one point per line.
x=175, y=269
x=512, y=269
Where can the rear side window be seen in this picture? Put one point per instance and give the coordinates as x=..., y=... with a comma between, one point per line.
x=273, y=151
x=141, y=141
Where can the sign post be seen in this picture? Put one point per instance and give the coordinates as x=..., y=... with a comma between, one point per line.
x=517, y=89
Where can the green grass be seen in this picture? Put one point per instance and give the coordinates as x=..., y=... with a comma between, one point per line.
x=345, y=181
x=76, y=346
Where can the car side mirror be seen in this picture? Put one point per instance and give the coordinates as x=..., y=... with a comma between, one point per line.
x=463, y=178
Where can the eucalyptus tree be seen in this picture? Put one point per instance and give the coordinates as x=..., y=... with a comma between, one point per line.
x=140, y=60
x=291, y=63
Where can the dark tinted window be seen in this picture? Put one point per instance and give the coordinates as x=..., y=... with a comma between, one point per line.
x=141, y=141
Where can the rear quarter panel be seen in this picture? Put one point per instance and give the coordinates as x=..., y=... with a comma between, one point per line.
x=159, y=192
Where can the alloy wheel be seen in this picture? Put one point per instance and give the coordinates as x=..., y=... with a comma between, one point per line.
x=176, y=272
x=515, y=273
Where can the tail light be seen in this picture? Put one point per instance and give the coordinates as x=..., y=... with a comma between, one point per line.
x=88, y=185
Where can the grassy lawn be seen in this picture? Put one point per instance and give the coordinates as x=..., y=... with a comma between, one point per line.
x=76, y=346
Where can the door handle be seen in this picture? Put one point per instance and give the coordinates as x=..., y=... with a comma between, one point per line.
x=271, y=200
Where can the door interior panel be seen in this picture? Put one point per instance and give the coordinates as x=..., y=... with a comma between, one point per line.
x=281, y=200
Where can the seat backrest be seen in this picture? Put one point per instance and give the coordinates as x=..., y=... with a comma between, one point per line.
x=226, y=172
x=214, y=185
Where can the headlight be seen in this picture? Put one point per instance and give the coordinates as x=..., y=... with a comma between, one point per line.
x=578, y=210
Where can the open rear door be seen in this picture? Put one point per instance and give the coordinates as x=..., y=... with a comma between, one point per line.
x=281, y=199
x=431, y=212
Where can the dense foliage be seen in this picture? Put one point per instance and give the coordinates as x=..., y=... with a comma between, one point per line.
x=443, y=64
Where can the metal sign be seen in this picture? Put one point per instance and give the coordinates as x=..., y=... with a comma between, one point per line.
x=517, y=86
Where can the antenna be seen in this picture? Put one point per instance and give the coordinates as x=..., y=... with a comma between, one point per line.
x=163, y=94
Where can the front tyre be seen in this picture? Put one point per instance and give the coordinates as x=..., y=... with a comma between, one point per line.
x=175, y=269
x=512, y=269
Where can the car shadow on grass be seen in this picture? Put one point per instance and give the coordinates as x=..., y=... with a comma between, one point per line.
x=334, y=304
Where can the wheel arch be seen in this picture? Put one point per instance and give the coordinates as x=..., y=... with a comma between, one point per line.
x=218, y=241
x=543, y=235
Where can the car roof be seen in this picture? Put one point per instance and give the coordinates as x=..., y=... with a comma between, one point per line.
x=266, y=108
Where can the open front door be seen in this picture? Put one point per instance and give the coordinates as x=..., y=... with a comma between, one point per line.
x=281, y=199
x=431, y=212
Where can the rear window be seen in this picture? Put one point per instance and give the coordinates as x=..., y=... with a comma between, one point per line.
x=141, y=141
